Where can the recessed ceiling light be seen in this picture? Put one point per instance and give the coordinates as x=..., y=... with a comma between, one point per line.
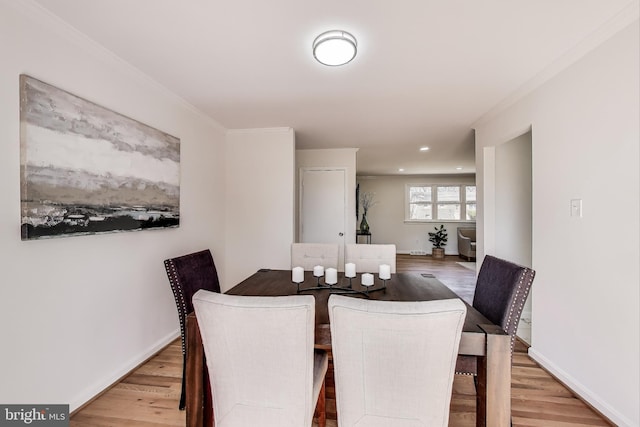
x=401, y=170
x=424, y=148
x=335, y=47
x=459, y=168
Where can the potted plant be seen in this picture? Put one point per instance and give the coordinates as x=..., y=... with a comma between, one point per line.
x=439, y=240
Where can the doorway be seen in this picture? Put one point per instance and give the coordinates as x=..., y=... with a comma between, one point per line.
x=513, y=210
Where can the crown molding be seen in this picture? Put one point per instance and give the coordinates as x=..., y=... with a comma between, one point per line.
x=628, y=15
x=260, y=130
x=47, y=19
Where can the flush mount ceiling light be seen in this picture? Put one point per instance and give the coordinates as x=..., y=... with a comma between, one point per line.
x=335, y=47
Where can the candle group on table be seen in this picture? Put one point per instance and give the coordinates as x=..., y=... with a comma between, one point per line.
x=331, y=274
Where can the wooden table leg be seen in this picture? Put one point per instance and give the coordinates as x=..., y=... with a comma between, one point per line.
x=493, y=406
x=194, y=374
x=321, y=406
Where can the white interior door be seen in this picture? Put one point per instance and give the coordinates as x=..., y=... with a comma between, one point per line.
x=322, y=206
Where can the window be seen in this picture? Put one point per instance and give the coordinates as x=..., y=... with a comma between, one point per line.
x=440, y=202
x=420, y=206
x=470, y=199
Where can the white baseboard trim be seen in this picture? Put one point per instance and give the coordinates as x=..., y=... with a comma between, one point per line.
x=583, y=392
x=91, y=392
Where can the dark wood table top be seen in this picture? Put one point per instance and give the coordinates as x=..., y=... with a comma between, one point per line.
x=401, y=287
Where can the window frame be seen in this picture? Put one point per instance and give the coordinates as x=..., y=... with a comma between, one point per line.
x=462, y=202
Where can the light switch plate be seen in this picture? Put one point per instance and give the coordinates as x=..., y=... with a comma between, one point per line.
x=576, y=208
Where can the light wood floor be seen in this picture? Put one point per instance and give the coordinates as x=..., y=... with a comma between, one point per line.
x=149, y=396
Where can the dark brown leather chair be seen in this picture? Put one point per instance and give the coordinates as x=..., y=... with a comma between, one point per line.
x=501, y=291
x=188, y=274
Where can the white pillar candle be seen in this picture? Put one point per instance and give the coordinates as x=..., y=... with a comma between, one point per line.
x=318, y=271
x=384, y=271
x=367, y=279
x=331, y=276
x=297, y=275
x=350, y=270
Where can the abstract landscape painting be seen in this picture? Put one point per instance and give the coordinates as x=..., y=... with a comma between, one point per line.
x=86, y=170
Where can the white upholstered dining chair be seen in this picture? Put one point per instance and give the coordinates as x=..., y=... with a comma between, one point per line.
x=368, y=258
x=308, y=255
x=394, y=361
x=261, y=359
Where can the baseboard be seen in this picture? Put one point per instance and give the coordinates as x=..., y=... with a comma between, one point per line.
x=582, y=392
x=91, y=393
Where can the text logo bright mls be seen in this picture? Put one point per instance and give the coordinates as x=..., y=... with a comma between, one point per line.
x=34, y=415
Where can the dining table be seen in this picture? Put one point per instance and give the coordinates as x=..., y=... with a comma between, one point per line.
x=480, y=337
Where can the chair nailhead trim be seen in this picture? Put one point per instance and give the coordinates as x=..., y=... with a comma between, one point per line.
x=178, y=295
x=516, y=309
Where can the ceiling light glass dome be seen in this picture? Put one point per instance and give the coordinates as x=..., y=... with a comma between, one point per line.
x=335, y=47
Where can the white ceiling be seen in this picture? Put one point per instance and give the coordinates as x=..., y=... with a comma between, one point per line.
x=426, y=70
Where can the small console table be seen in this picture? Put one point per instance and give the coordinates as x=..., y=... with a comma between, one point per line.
x=367, y=236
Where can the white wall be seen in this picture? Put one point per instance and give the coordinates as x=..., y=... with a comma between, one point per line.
x=386, y=218
x=513, y=200
x=76, y=313
x=260, y=195
x=585, y=139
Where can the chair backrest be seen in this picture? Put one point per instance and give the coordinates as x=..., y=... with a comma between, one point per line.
x=260, y=356
x=188, y=274
x=308, y=255
x=368, y=258
x=468, y=232
x=502, y=288
x=394, y=361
